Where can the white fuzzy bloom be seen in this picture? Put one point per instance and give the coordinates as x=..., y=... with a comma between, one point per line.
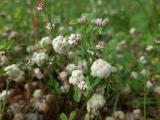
x=119, y=115
x=109, y=118
x=144, y=72
x=100, y=21
x=100, y=45
x=3, y=58
x=45, y=41
x=149, y=84
x=82, y=65
x=76, y=77
x=137, y=114
x=63, y=75
x=149, y=48
x=65, y=88
x=134, y=75
x=142, y=60
x=157, y=90
x=82, y=85
x=132, y=31
x=15, y=73
x=49, y=26
x=38, y=93
x=74, y=39
x=71, y=67
x=95, y=103
x=101, y=69
x=38, y=74
x=60, y=45
x=4, y=94
x=39, y=58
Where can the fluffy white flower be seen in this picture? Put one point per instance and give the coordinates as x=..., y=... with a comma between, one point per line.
x=119, y=115
x=63, y=75
x=82, y=65
x=100, y=45
x=96, y=102
x=132, y=31
x=3, y=58
x=109, y=118
x=134, y=75
x=149, y=84
x=45, y=41
x=15, y=73
x=76, y=77
x=100, y=21
x=65, y=88
x=38, y=93
x=60, y=44
x=101, y=69
x=38, y=74
x=49, y=26
x=82, y=85
x=144, y=72
x=137, y=114
x=149, y=48
x=73, y=39
x=157, y=90
x=71, y=67
x=142, y=60
x=4, y=94
x=40, y=58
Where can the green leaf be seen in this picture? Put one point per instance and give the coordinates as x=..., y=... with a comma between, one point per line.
x=63, y=116
x=72, y=115
x=77, y=94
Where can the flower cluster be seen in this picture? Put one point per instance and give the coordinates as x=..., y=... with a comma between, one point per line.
x=95, y=103
x=15, y=73
x=63, y=44
x=101, y=69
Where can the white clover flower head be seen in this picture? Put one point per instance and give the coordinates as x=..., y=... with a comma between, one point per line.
x=142, y=60
x=132, y=31
x=60, y=45
x=87, y=116
x=82, y=65
x=71, y=67
x=40, y=58
x=109, y=118
x=82, y=85
x=63, y=75
x=95, y=103
x=89, y=51
x=157, y=89
x=149, y=48
x=137, y=114
x=37, y=73
x=38, y=93
x=45, y=41
x=149, y=84
x=119, y=115
x=65, y=88
x=101, y=69
x=144, y=72
x=4, y=94
x=50, y=26
x=3, y=58
x=74, y=39
x=134, y=74
x=100, y=45
x=100, y=21
x=15, y=73
x=30, y=49
x=76, y=77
